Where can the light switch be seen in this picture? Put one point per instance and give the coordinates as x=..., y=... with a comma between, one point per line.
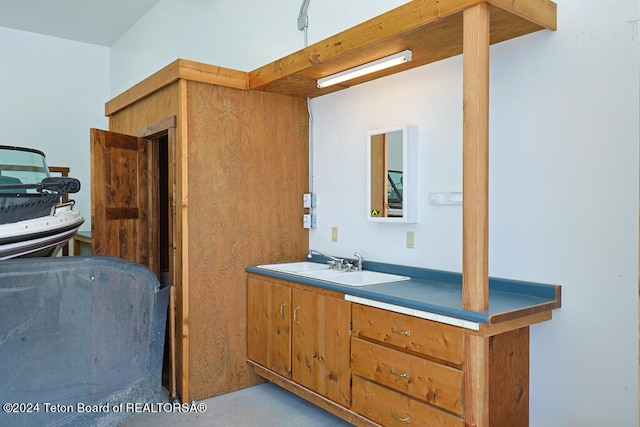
x=334, y=234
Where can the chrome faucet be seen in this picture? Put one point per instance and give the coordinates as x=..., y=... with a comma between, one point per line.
x=359, y=261
x=335, y=263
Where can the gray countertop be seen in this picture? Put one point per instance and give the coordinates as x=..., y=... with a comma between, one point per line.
x=440, y=292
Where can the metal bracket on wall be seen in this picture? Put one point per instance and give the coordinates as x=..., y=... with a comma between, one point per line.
x=303, y=17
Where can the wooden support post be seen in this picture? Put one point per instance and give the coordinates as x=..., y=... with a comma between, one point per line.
x=475, y=186
x=475, y=211
x=476, y=380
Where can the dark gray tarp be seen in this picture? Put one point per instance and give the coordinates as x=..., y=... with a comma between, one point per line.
x=77, y=332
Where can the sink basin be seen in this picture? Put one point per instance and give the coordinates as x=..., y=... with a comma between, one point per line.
x=319, y=273
x=324, y=273
x=295, y=267
x=362, y=278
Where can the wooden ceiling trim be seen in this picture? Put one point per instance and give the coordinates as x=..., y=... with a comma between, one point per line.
x=432, y=30
x=541, y=12
x=391, y=24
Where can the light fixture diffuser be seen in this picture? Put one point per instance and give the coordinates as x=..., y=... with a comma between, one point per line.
x=364, y=69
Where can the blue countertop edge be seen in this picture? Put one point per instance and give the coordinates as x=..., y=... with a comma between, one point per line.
x=505, y=295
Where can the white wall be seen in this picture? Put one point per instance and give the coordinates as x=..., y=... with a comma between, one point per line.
x=563, y=193
x=564, y=168
x=53, y=92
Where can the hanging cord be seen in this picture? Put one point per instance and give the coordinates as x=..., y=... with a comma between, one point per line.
x=311, y=141
x=303, y=25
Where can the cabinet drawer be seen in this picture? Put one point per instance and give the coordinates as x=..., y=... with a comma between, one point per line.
x=423, y=379
x=390, y=408
x=422, y=336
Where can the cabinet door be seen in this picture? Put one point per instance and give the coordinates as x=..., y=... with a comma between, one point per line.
x=123, y=198
x=268, y=325
x=321, y=345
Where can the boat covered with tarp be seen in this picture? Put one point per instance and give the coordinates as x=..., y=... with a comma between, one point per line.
x=35, y=217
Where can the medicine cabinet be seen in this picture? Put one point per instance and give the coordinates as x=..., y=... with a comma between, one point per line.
x=391, y=174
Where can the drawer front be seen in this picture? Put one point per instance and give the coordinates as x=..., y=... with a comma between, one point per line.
x=422, y=336
x=425, y=380
x=389, y=408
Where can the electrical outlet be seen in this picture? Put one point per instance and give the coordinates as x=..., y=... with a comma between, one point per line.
x=334, y=234
x=308, y=221
x=411, y=240
x=308, y=200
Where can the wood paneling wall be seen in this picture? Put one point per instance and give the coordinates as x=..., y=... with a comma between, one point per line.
x=158, y=105
x=248, y=169
x=242, y=165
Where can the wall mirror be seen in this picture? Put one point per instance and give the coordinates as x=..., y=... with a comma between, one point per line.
x=391, y=174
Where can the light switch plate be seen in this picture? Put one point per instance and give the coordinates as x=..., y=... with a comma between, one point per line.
x=411, y=240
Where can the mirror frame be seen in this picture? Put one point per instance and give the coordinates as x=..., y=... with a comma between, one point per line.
x=409, y=179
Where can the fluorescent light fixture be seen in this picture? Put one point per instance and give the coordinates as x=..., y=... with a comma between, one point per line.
x=362, y=70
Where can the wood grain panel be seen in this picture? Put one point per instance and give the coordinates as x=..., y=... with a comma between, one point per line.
x=540, y=12
x=119, y=203
x=432, y=30
x=178, y=69
x=476, y=380
x=320, y=345
x=248, y=167
x=509, y=379
x=269, y=325
x=475, y=179
x=393, y=409
x=422, y=379
x=379, y=168
x=150, y=109
x=432, y=339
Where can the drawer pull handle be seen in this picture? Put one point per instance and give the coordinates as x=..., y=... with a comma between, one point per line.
x=404, y=375
x=406, y=419
x=406, y=333
x=295, y=314
x=282, y=315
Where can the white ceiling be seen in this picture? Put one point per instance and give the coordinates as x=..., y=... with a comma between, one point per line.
x=99, y=22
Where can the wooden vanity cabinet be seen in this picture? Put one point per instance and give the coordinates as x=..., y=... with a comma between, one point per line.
x=406, y=369
x=301, y=335
x=269, y=325
x=387, y=368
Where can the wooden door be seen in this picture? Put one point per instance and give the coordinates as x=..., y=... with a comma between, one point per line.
x=320, y=345
x=268, y=325
x=123, y=198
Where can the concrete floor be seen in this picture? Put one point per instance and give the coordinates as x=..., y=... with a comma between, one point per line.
x=263, y=405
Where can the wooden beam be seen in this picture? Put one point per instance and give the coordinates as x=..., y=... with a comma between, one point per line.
x=475, y=211
x=541, y=12
x=178, y=69
x=432, y=30
x=401, y=19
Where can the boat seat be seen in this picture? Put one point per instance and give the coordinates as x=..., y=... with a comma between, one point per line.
x=10, y=180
